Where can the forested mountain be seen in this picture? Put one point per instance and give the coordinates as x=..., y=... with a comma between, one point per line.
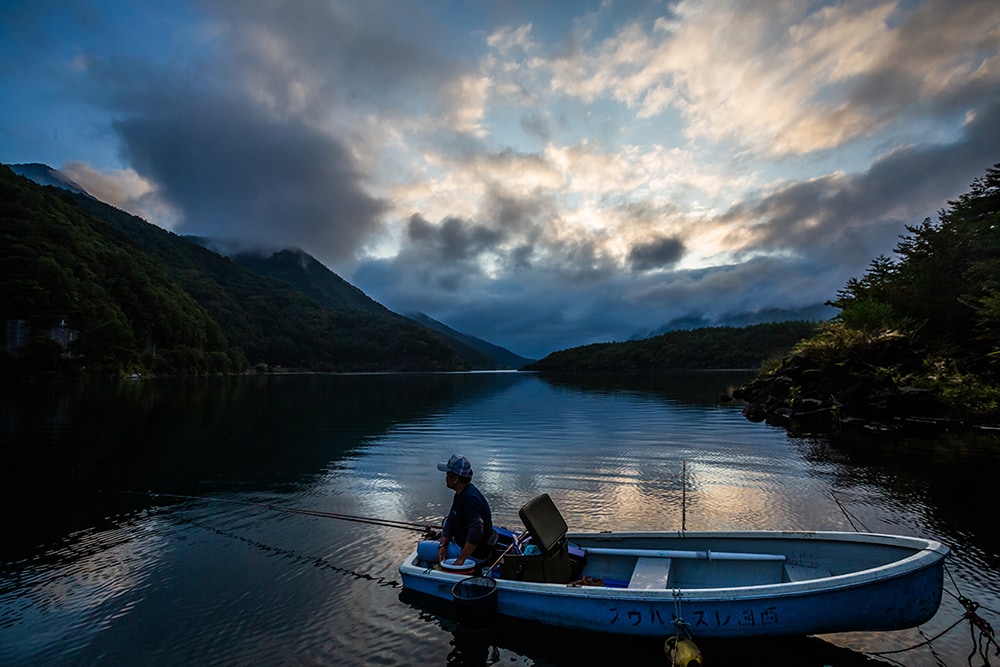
x=310, y=277
x=60, y=266
x=917, y=337
x=706, y=348
x=316, y=281
x=141, y=298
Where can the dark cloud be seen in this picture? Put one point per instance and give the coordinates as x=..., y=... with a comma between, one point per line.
x=529, y=225
x=235, y=171
x=444, y=256
x=452, y=240
x=660, y=253
x=756, y=284
x=849, y=219
x=532, y=311
x=374, y=53
x=508, y=242
x=510, y=212
x=241, y=139
x=935, y=40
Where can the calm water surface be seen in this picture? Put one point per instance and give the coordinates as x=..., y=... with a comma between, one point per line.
x=91, y=577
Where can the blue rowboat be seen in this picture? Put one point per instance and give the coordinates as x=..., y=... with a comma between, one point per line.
x=714, y=584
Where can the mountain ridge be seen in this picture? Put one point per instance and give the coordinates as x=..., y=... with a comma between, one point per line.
x=307, y=274
x=815, y=313
x=43, y=174
x=508, y=359
x=314, y=279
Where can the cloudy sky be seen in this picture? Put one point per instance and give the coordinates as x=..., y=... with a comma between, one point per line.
x=539, y=174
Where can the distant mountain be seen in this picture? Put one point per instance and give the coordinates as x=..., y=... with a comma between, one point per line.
x=504, y=357
x=43, y=174
x=816, y=313
x=705, y=348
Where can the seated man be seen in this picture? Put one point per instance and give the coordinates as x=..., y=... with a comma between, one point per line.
x=468, y=529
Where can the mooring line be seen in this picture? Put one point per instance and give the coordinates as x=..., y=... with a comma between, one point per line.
x=981, y=644
x=850, y=517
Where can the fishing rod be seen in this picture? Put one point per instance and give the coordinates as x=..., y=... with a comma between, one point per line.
x=390, y=523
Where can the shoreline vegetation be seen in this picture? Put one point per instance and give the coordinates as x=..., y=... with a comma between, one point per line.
x=916, y=345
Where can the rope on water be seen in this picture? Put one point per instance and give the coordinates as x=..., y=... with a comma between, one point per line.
x=932, y=649
x=926, y=642
x=980, y=631
x=316, y=561
x=981, y=643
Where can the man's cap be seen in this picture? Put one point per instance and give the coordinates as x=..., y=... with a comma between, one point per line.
x=457, y=464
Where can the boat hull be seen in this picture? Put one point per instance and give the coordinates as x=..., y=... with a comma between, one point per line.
x=893, y=595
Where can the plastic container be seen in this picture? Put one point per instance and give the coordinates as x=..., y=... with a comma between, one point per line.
x=468, y=567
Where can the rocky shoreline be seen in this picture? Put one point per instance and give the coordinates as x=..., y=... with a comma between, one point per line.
x=806, y=399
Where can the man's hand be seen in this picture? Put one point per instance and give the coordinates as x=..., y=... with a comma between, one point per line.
x=467, y=550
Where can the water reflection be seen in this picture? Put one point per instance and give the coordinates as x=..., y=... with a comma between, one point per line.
x=87, y=577
x=275, y=427
x=945, y=476
x=66, y=441
x=695, y=387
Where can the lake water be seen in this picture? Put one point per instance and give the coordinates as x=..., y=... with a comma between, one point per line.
x=91, y=576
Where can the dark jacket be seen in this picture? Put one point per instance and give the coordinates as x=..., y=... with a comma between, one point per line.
x=470, y=520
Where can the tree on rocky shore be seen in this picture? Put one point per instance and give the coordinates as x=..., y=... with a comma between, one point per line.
x=917, y=338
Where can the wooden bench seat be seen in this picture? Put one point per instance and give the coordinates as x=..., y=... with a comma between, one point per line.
x=650, y=573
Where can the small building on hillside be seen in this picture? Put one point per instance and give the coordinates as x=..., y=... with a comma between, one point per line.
x=18, y=332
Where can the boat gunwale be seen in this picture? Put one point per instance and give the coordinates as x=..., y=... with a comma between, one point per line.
x=926, y=553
